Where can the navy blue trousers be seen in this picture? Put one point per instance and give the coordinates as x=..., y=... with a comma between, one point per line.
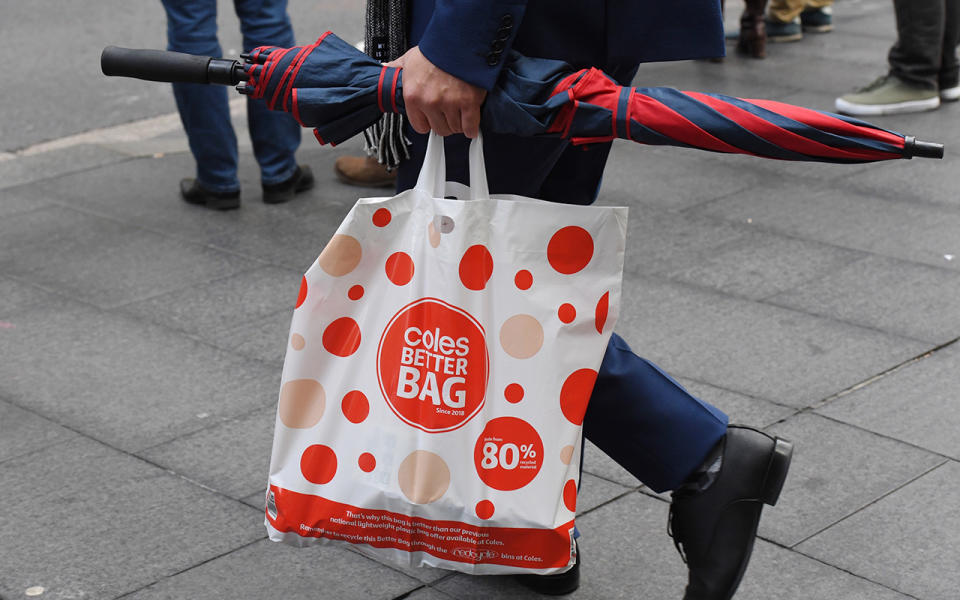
x=638, y=415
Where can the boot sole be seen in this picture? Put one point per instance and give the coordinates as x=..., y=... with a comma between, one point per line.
x=874, y=110
x=777, y=471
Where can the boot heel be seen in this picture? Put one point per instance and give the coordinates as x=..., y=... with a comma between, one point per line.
x=777, y=471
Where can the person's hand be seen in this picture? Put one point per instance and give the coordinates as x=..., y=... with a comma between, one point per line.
x=437, y=100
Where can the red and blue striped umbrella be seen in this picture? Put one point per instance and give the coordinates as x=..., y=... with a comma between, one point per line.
x=339, y=91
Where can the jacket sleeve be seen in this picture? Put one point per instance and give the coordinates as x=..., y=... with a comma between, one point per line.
x=469, y=38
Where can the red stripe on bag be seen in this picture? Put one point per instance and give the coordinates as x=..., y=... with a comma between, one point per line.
x=313, y=516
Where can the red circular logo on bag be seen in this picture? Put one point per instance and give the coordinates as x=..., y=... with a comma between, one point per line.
x=432, y=365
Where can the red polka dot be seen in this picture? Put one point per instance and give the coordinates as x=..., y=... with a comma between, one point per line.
x=476, y=267
x=570, y=249
x=523, y=279
x=381, y=218
x=355, y=406
x=567, y=313
x=570, y=495
x=342, y=337
x=303, y=292
x=603, y=307
x=513, y=393
x=367, y=462
x=575, y=394
x=355, y=293
x=400, y=268
x=318, y=464
x=485, y=509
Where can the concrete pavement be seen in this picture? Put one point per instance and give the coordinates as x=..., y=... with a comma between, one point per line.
x=141, y=341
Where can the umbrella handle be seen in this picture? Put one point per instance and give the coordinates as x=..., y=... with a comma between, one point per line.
x=914, y=147
x=158, y=65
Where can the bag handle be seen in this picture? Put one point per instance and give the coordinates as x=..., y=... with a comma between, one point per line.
x=433, y=173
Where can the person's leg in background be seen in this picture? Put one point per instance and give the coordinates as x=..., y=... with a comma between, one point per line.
x=912, y=81
x=787, y=20
x=275, y=135
x=204, y=111
x=949, y=77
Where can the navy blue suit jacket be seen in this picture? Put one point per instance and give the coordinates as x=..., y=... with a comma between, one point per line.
x=469, y=38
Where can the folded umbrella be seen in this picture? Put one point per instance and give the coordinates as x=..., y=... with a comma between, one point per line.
x=339, y=91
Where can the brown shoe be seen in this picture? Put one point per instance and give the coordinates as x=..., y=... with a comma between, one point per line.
x=363, y=171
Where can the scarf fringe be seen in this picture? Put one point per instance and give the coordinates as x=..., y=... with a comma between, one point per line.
x=384, y=140
x=385, y=38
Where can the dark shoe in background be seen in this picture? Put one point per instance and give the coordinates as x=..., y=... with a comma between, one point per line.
x=559, y=584
x=817, y=20
x=194, y=193
x=363, y=171
x=779, y=32
x=714, y=529
x=278, y=193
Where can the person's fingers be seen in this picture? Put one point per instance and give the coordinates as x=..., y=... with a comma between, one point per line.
x=470, y=120
x=418, y=120
x=438, y=123
x=453, y=119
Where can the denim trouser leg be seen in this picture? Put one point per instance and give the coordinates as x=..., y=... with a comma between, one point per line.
x=275, y=135
x=192, y=28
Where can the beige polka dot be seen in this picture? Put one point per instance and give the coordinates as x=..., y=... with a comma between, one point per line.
x=341, y=256
x=521, y=336
x=424, y=477
x=566, y=454
x=297, y=342
x=433, y=235
x=302, y=402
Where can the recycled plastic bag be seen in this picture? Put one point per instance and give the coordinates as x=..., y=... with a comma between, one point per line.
x=440, y=360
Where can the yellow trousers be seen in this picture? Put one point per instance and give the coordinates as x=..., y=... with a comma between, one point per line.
x=785, y=11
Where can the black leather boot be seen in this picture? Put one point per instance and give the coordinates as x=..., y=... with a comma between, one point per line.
x=714, y=529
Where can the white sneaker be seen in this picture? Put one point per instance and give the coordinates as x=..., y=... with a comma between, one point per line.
x=950, y=94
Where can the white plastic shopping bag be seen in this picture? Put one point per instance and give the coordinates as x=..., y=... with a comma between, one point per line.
x=440, y=359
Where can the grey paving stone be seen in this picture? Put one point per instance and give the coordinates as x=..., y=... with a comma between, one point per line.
x=899, y=297
x=916, y=404
x=209, y=309
x=86, y=521
x=595, y=491
x=144, y=193
x=836, y=471
x=13, y=201
x=910, y=231
x=265, y=339
x=899, y=180
x=105, y=262
x=908, y=541
x=22, y=432
x=754, y=349
x=761, y=265
x=271, y=570
x=775, y=572
x=659, y=240
x=127, y=383
x=36, y=167
x=232, y=457
x=665, y=176
x=16, y=296
x=428, y=594
x=742, y=410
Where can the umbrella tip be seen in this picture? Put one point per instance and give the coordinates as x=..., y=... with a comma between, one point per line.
x=914, y=147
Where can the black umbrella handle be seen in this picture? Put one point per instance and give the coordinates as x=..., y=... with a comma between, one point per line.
x=158, y=65
x=914, y=147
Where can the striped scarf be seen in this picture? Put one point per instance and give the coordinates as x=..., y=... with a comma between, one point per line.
x=385, y=38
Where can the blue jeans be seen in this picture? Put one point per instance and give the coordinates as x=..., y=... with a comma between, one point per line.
x=204, y=111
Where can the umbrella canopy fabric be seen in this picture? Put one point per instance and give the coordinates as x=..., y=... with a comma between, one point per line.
x=339, y=91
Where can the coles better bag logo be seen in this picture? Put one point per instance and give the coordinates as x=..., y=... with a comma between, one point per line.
x=432, y=365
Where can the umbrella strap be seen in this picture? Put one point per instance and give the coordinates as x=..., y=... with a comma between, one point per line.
x=385, y=38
